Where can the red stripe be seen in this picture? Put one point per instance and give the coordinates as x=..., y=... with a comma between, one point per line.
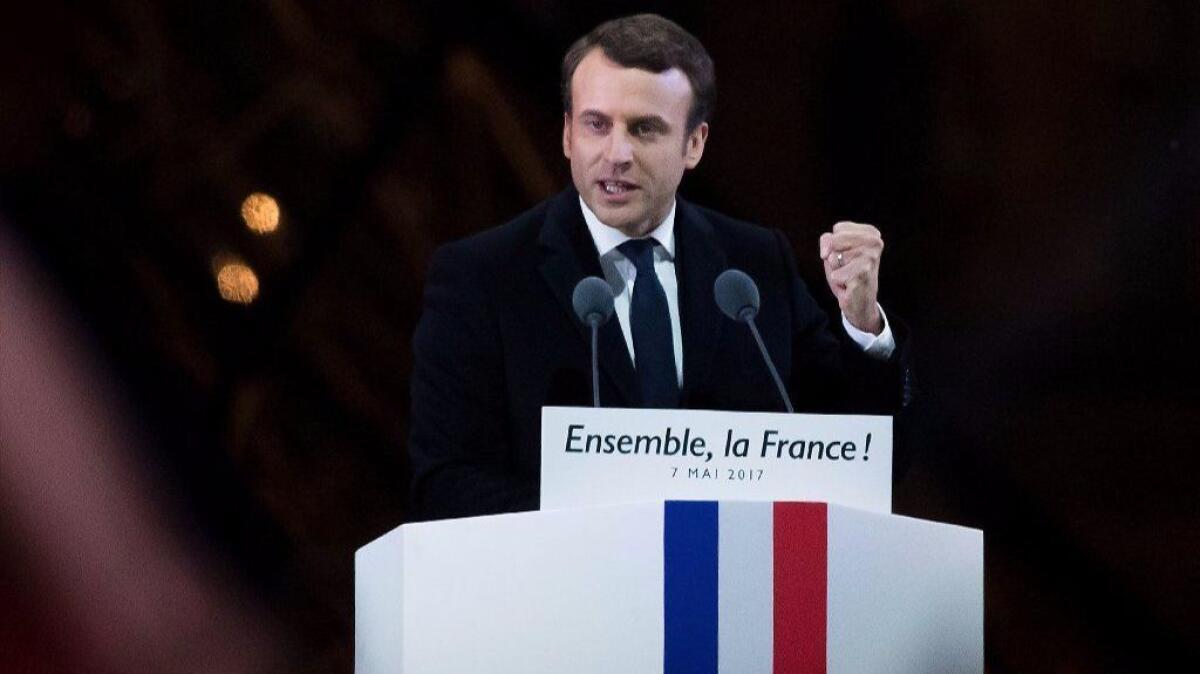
x=801, y=587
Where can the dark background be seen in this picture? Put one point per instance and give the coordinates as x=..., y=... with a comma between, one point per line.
x=1034, y=168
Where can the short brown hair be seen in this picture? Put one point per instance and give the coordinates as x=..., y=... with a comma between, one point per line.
x=649, y=42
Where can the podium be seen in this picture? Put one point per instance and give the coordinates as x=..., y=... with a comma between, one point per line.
x=672, y=586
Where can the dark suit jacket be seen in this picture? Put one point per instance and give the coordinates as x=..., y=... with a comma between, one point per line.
x=498, y=339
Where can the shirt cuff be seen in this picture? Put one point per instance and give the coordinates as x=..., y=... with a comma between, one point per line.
x=879, y=347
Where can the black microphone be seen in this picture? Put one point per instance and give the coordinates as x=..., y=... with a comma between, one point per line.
x=737, y=296
x=593, y=302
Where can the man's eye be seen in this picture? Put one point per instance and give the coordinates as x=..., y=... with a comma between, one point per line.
x=643, y=129
x=595, y=124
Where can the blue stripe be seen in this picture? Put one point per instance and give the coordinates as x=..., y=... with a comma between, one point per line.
x=690, y=587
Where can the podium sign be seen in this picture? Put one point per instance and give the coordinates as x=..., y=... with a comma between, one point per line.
x=600, y=456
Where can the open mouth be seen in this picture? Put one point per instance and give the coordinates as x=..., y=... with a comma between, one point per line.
x=616, y=187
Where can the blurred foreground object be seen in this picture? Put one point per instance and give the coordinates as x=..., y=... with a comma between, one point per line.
x=104, y=579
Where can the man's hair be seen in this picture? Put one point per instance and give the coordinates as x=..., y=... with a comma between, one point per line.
x=649, y=42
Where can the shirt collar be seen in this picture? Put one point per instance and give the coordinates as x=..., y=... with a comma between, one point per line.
x=608, y=238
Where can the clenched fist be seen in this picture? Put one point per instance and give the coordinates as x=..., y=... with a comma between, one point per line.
x=851, y=253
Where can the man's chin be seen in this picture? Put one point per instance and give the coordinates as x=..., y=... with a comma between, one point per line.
x=623, y=223
x=626, y=217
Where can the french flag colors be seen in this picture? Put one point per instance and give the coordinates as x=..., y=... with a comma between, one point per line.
x=672, y=586
x=744, y=587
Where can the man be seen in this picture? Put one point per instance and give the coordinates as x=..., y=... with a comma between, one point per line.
x=498, y=338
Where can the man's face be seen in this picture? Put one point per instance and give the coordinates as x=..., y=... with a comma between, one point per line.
x=626, y=136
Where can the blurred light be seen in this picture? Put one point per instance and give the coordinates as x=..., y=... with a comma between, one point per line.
x=237, y=283
x=261, y=213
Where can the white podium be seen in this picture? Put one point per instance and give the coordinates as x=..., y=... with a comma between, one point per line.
x=672, y=586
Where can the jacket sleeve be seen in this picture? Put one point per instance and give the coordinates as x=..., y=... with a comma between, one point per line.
x=459, y=435
x=832, y=374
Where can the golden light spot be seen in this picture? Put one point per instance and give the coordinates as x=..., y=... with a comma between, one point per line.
x=261, y=213
x=237, y=283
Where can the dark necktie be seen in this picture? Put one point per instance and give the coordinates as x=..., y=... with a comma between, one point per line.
x=650, y=323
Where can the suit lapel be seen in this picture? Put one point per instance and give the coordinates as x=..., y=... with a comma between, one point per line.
x=569, y=255
x=698, y=260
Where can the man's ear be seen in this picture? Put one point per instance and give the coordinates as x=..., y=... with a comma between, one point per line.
x=693, y=148
x=567, y=135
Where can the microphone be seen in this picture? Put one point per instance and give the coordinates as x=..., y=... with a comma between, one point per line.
x=737, y=296
x=593, y=303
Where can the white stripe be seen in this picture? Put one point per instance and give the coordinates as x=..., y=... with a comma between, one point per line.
x=745, y=587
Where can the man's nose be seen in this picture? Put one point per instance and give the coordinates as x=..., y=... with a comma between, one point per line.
x=620, y=148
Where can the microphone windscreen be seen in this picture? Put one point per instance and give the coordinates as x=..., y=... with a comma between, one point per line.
x=593, y=297
x=736, y=293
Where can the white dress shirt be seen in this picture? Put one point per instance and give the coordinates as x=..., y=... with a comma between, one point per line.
x=620, y=274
